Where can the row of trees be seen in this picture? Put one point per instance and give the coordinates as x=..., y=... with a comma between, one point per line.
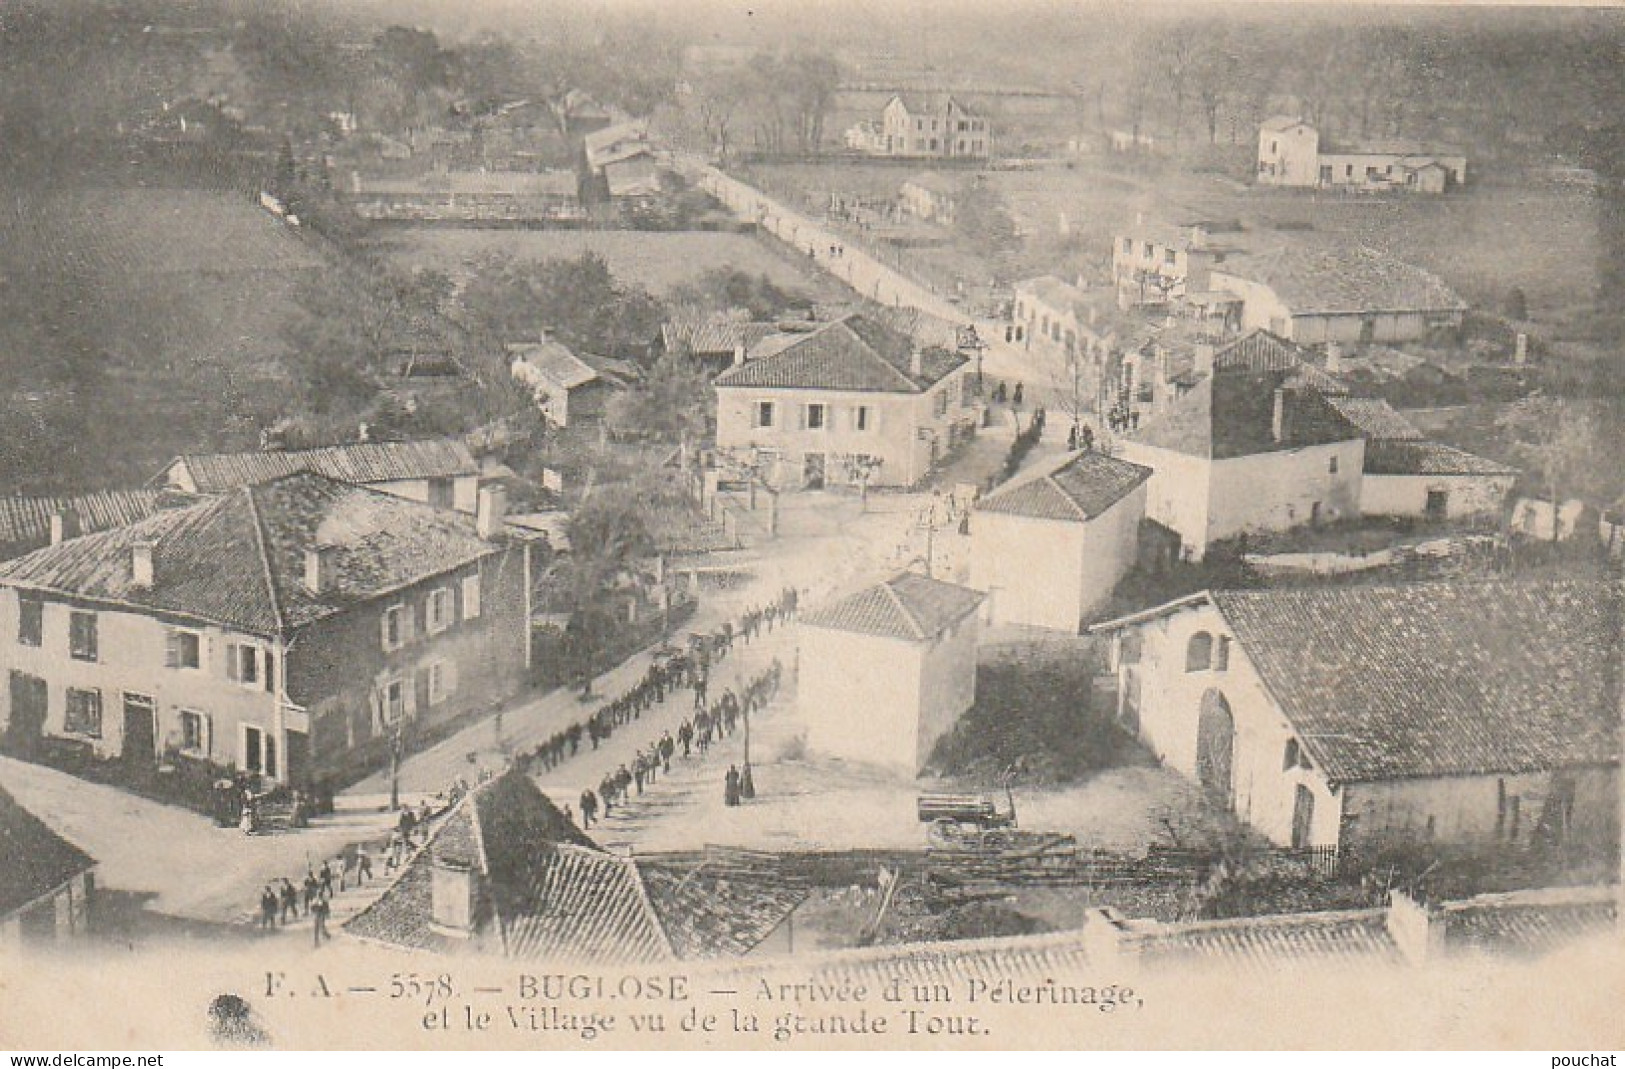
x=778, y=102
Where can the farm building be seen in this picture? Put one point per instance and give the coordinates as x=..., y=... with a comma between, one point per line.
x=1254, y=446
x=1344, y=295
x=1291, y=152
x=622, y=159
x=287, y=628
x=933, y=124
x=929, y=197
x=853, y=400
x=46, y=882
x=1470, y=715
x=505, y=873
x=440, y=471
x=888, y=671
x=567, y=388
x=1407, y=475
x=1049, y=548
x=715, y=342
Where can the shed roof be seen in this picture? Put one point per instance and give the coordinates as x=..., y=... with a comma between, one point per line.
x=854, y=353
x=37, y=859
x=359, y=462
x=907, y=606
x=1341, y=280
x=1079, y=489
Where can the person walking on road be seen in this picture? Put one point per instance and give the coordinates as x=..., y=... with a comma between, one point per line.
x=268, y=908
x=589, y=807
x=319, y=913
x=730, y=787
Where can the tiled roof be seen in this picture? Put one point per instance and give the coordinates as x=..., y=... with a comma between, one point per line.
x=907, y=606
x=552, y=362
x=1427, y=458
x=238, y=559
x=1266, y=942
x=1262, y=351
x=702, y=335
x=1529, y=922
x=1231, y=414
x=25, y=522
x=1080, y=489
x=1437, y=679
x=853, y=353
x=1376, y=419
x=555, y=896
x=34, y=860
x=924, y=103
x=362, y=462
x=1338, y=279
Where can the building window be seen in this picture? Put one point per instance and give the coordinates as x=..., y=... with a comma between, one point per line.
x=395, y=627
x=940, y=404
x=1290, y=759
x=1199, y=652
x=1128, y=246
x=471, y=596
x=394, y=701
x=860, y=417
x=1150, y=251
x=82, y=643
x=194, y=732
x=815, y=417
x=243, y=664
x=184, y=649
x=442, y=493
x=438, y=611
x=764, y=413
x=1332, y=466
x=30, y=622
x=1170, y=257
x=84, y=713
x=440, y=681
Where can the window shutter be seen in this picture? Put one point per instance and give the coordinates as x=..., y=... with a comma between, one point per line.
x=206, y=729
x=270, y=672
x=801, y=417
x=232, y=663
x=172, y=649
x=448, y=678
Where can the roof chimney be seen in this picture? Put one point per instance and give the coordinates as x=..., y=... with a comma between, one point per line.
x=319, y=568
x=451, y=896
x=491, y=512
x=916, y=363
x=739, y=354
x=64, y=525
x=1278, y=427
x=142, y=564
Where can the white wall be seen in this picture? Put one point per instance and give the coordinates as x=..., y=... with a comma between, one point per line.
x=1407, y=495
x=860, y=696
x=947, y=684
x=1277, y=491
x=1178, y=493
x=1032, y=569
x=1170, y=702
x=131, y=658
x=1464, y=809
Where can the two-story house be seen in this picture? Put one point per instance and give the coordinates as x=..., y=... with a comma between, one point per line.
x=1253, y=446
x=1292, y=152
x=290, y=628
x=936, y=125
x=853, y=402
x=437, y=471
x=1155, y=263
x=1480, y=715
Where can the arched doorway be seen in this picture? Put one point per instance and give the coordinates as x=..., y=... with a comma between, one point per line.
x=1215, y=746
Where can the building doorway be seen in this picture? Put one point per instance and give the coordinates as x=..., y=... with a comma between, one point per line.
x=1303, y=817
x=1215, y=747
x=140, y=729
x=1437, y=507
x=259, y=751
x=29, y=703
x=812, y=471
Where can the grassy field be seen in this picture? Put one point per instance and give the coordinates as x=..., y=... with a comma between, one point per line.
x=181, y=292
x=658, y=261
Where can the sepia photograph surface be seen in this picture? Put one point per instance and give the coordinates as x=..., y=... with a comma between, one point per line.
x=685, y=524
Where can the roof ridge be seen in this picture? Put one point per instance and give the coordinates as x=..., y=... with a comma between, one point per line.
x=1082, y=513
x=871, y=351
x=265, y=560
x=897, y=600
x=649, y=909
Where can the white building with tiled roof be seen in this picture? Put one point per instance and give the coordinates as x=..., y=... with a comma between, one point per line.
x=810, y=406
x=1292, y=152
x=889, y=670
x=286, y=628
x=438, y=471
x=1480, y=715
x=1408, y=476
x=1050, y=547
x=1337, y=294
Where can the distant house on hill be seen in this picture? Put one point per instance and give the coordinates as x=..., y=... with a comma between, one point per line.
x=621, y=157
x=506, y=874
x=1350, y=295
x=1050, y=548
x=929, y=197
x=933, y=125
x=1292, y=152
x=46, y=882
x=889, y=670
x=437, y=471
x=1451, y=715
